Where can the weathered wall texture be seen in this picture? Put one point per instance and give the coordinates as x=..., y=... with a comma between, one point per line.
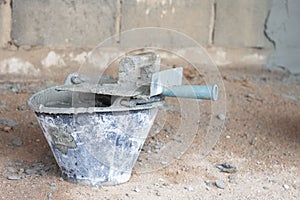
x=190, y=17
x=283, y=29
x=5, y=23
x=229, y=23
x=0, y=19
x=59, y=23
x=241, y=23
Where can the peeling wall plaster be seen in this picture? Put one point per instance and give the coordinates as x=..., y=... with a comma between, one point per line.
x=283, y=30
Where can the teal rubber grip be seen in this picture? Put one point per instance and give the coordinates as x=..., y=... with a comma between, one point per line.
x=192, y=91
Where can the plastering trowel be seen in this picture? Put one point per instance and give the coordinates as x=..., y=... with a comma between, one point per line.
x=168, y=83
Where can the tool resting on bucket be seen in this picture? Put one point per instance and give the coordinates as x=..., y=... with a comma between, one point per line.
x=168, y=83
x=139, y=78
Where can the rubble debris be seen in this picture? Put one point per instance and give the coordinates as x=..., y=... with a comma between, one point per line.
x=14, y=177
x=17, y=142
x=221, y=117
x=285, y=186
x=253, y=141
x=189, y=188
x=220, y=184
x=8, y=122
x=227, y=168
x=250, y=95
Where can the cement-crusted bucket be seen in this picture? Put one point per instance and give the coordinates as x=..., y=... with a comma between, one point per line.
x=93, y=144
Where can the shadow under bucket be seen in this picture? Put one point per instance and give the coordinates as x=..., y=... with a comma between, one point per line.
x=93, y=144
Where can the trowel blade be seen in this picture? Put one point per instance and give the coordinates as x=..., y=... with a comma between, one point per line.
x=165, y=79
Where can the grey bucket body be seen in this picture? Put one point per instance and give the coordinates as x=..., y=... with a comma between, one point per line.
x=96, y=127
x=92, y=145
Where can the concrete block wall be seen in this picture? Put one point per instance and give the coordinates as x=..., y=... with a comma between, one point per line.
x=283, y=29
x=235, y=24
x=241, y=23
x=62, y=23
x=191, y=17
x=228, y=23
x=1, y=19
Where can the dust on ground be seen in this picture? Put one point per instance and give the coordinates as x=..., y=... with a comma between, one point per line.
x=261, y=138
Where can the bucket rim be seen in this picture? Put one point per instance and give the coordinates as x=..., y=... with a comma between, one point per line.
x=40, y=108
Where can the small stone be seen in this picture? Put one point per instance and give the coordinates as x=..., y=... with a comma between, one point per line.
x=225, y=167
x=254, y=153
x=250, y=95
x=14, y=177
x=285, y=186
x=221, y=117
x=22, y=107
x=7, y=128
x=137, y=189
x=163, y=163
x=19, y=164
x=21, y=171
x=158, y=194
x=43, y=172
x=147, y=149
x=220, y=184
x=34, y=123
x=10, y=163
x=161, y=179
x=11, y=169
x=247, y=135
x=208, y=183
x=265, y=188
x=17, y=142
x=254, y=140
x=231, y=178
x=227, y=136
x=49, y=196
x=53, y=186
x=8, y=122
x=16, y=88
x=30, y=171
x=2, y=103
x=61, y=179
x=189, y=188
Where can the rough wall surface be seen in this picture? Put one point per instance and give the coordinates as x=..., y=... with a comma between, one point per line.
x=283, y=30
x=190, y=17
x=241, y=23
x=227, y=23
x=60, y=23
x=0, y=20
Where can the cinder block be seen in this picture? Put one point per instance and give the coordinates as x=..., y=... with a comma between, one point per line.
x=0, y=21
x=283, y=30
x=63, y=23
x=189, y=17
x=241, y=23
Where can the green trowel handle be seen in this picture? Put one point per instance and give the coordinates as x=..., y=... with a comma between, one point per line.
x=192, y=91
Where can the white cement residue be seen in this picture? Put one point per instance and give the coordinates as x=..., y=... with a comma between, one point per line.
x=221, y=58
x=253, y=58
x=53, y=59
x=80, y=58
x=17, y=66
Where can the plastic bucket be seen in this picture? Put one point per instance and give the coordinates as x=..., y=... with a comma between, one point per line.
x=92, y=145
